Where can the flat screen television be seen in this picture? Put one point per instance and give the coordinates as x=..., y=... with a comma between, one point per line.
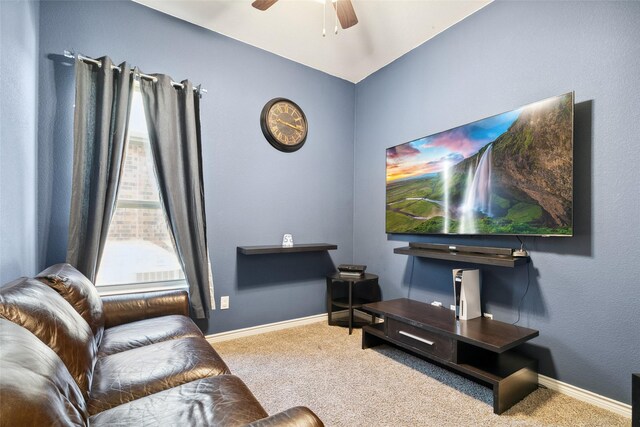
x=509, y=174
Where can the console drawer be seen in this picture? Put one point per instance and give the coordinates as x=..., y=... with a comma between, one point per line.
x=420, y=339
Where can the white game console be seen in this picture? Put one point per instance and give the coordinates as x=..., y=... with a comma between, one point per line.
x=466, y=292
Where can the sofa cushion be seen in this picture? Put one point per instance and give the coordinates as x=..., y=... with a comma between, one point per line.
x=74, y=287
x=144, y=332
x=127, y=308
x=35, y=386
x=38, y=308
x=216, y=401
x=123, y=377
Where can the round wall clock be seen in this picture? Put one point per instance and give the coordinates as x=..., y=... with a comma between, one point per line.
x=284, y=124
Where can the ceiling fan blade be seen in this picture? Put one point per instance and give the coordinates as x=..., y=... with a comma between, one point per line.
x=346, y=14
x=263, y=4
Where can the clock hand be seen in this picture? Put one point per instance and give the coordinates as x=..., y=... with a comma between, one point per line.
x=298, y=128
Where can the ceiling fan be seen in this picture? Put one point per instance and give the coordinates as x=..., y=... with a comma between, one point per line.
x=344, y=10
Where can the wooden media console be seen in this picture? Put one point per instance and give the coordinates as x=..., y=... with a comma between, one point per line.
x=477, y=348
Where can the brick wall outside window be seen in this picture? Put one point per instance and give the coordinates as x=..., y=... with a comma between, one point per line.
x=137, y=183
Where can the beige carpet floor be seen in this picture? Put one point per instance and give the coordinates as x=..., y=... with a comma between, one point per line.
x=324, y=368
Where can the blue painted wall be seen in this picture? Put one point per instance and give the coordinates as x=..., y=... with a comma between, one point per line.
x=583, y=294
x=18, y=152
x=254, y=194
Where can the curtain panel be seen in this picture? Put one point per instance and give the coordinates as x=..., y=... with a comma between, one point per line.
x=102, y=105
x=173, y=120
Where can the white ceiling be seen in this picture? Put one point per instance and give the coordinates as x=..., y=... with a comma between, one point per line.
x=387, y=29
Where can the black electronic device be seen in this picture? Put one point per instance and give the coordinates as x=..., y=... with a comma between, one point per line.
x=351, y=268
x=462, y=248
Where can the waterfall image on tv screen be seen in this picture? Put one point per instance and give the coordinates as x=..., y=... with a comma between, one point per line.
x=507, y=174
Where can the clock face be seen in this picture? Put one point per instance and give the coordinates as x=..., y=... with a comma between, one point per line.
x=284, y=124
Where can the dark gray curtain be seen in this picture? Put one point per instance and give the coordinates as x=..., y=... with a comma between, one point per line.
x=173, y=119
x=103, y=101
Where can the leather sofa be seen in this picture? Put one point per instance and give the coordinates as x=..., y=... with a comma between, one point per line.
x=71, y=358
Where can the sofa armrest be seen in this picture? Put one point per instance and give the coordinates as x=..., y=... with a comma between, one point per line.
x=126, y=308
x=293, y=417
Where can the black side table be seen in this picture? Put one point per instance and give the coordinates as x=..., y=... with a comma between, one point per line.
x=351, y=293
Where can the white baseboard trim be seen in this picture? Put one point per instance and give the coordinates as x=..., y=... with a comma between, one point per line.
x=585, y=396
x=548, y=382
x=261, y=329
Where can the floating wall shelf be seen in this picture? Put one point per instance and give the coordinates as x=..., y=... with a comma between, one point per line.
x=278, y=249
x=463, y=256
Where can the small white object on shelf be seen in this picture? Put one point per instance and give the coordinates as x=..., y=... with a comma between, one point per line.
x=287, y=241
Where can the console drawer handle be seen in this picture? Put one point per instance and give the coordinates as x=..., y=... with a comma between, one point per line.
x=417, y=338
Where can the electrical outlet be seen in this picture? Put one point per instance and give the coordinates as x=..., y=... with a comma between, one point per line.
x=224, y=303
x=437, y=303
x=488, y=315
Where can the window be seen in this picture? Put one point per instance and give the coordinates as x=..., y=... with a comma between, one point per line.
x=139, y=247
